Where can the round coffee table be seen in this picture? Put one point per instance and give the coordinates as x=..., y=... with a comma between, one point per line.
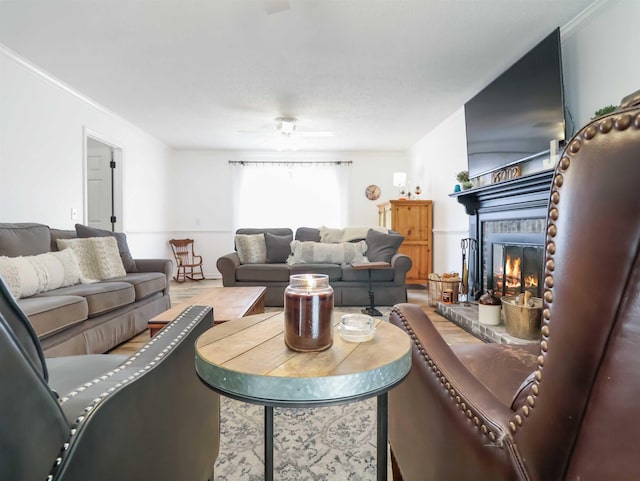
x=247, y=360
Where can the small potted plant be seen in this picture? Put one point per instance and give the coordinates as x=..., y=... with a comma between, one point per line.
x=603, y=111
x=463, y=178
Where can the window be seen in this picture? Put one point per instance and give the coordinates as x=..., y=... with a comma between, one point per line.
x=291, y=194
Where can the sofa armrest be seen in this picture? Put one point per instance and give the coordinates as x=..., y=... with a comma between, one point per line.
x=401, y=264
x=227, y=266
x=145, y=417
x=156, y=265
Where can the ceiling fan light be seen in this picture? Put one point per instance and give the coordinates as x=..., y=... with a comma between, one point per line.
x=287, y=126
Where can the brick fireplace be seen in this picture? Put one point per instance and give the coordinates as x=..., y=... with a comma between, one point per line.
x=508, y=222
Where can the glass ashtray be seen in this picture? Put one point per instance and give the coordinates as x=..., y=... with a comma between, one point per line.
x=356, y=328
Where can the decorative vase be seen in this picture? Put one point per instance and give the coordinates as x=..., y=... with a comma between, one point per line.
x=308, y=313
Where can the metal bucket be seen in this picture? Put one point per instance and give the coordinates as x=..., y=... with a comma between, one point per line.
x=520, y=320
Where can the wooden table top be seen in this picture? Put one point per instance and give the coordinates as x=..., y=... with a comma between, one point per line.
x=247, y=359
x=228, y=303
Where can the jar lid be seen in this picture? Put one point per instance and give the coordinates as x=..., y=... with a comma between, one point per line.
x=309, y=281
x=489, y=299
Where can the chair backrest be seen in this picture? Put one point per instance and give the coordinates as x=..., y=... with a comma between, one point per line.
x=33, y=428
x=582, y=411
x=182, y=250
x=22, y=330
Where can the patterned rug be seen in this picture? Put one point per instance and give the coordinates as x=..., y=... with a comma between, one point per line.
x=310, y=444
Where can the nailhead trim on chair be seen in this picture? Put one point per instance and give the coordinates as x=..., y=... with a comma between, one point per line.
x=602, y=127
x=475, y=417
x=166, y=331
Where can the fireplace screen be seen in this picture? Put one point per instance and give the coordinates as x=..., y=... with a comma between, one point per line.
x=516, y=268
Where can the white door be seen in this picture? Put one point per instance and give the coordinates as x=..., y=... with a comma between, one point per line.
x=100, y=170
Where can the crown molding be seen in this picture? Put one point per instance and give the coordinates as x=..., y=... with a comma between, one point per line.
x=51, y=80
x=572, y=26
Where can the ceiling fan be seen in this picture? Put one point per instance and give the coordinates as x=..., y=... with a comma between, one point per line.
x=287, y=127
x=286, y=135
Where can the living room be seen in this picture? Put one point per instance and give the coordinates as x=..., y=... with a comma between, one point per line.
x=45, y=121
x=166, y=190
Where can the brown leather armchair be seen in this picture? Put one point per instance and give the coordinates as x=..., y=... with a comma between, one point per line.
x=569, y=408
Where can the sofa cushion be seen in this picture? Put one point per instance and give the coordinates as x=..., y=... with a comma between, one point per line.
x=349, y=274
x=101, y=296
x=129, y=264
x=98, y=257
x=320, y=252
x=29, y=275
x=60, y=234
x=252, y=248
x=49, y=315
x=278, y=247
x=308, y=234
x=23, y=239
x=334, y=271
x=382, y=247
x=263, y=273
x=145, y=284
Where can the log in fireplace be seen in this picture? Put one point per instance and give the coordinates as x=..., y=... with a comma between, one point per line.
x=508, y=221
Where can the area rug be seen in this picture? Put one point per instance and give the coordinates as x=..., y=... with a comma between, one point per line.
x=310, y=444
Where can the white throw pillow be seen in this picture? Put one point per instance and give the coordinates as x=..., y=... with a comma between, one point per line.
x=30, y=275
x=358, y=233
x=330, y=235
x=98, y=257
x=252, y=248
x=325, y=253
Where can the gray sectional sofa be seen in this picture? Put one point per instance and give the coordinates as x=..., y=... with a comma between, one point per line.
x=351, y=286
x=88, y=318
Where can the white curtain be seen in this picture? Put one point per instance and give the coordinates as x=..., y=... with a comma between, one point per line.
x=291, y=194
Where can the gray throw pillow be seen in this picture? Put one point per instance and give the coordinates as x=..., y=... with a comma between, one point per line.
x=278, y=247
x=84, y=231
x=382, y=247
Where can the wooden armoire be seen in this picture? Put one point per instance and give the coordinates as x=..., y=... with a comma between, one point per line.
x=414, y=220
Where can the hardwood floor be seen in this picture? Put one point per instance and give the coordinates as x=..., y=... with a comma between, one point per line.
x=180, y=292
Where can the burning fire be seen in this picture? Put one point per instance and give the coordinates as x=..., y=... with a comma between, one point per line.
x=512, y=275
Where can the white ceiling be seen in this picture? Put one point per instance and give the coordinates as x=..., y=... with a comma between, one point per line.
x=379, y=73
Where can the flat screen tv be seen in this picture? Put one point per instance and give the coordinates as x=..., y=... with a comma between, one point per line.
x=518, y=114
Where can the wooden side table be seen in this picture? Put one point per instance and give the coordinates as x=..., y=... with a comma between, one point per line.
x=371, y=310
x=248, y=360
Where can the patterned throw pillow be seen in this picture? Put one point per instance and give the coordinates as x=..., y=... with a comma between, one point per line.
x=98, y=257
x=84, y=231
x=326, y=253
x=252, y=248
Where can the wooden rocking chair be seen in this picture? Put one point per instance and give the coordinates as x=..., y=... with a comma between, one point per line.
x=189, y=264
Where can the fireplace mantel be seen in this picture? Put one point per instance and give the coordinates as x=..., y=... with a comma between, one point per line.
x=531, y=191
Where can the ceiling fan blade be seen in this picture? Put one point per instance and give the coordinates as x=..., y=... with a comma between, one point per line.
x=276, y=6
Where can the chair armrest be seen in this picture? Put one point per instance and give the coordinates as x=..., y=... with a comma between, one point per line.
x=151, y=418
x=227, y=266
x=440, y=406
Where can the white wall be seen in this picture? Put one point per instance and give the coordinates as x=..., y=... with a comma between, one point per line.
x=600, y=57
x=42, y=157
x=204, y=209
x=435, y=161
x=600, y=67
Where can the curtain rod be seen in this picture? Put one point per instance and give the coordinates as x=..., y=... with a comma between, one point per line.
x=284, y=162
